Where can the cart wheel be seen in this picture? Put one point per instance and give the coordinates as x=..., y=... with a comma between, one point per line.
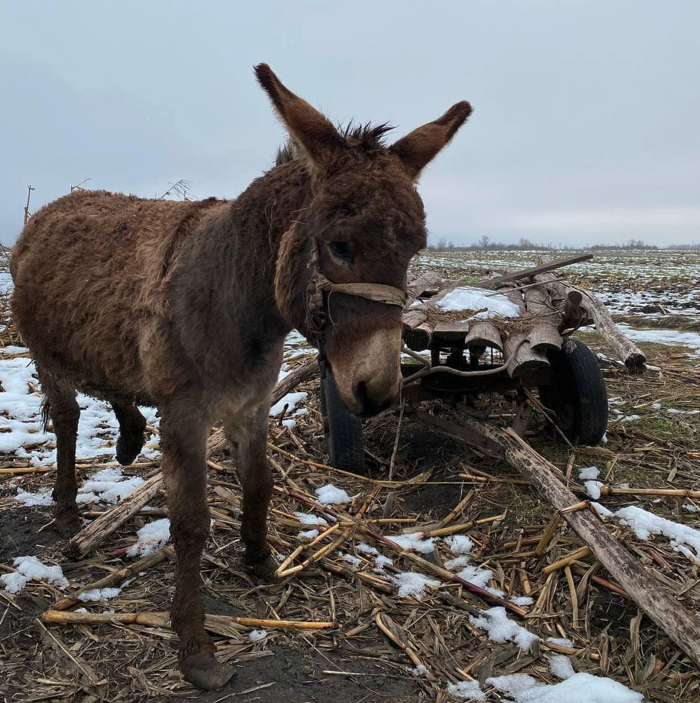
x=577, y=395
x=343, y=430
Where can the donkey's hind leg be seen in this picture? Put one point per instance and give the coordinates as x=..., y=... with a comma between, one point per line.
x=132, y=425
x=60, y=404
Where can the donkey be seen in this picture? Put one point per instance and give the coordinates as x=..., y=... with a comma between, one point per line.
x=185, y=306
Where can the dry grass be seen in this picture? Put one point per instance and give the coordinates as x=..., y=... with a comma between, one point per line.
x=356, y=658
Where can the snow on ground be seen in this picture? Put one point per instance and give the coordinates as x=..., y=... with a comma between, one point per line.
x=99, y=594
x=307, y=519
x=500, y=629
x=593, y=489
x=670, y=337
x=291, y=400
x=29, y=568
x=332, y=495
x=590, y=473
x=411, y=583
x=467, y=690
x=684, y=539
x=308, y=534
x=414, y=542
x=469, y=298
x=459, y=544
x=21, y=430
x=476, y=576
x=579, y=688
x=151, y=537
x=351, y=559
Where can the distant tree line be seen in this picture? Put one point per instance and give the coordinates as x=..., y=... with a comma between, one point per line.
x=523, y=244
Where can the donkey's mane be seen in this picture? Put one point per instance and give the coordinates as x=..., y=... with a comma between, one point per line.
x=367, y=138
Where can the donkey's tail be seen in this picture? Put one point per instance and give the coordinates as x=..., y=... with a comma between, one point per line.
x=45, y=413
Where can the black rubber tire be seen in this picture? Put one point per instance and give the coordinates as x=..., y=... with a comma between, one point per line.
x=578, y=397
x=344, y=441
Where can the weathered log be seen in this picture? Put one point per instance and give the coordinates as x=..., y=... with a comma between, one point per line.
x=622, y=347
x=218, y=442
x=521, y=357
x=418, y=331
x=484, y=334
x=625, y=349
x=451, y=330
x=116, y=577
x=526, y=273
x=544, y=333
x=421, y=284
x=682, y=626
x=544, y=336
x=103, y=526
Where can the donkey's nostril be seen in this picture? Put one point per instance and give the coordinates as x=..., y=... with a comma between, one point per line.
x=361, y=394
x=369, y=405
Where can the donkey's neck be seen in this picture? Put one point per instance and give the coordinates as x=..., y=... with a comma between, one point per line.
x=223, y=297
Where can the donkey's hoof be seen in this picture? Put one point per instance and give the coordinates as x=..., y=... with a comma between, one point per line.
x=67, y=522
x=129, y=446
x=264, y=569
x=203, y=671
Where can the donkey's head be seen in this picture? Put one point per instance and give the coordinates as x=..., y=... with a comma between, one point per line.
x=362, y=226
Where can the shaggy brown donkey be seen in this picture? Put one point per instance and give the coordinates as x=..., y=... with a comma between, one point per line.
x=185, y=306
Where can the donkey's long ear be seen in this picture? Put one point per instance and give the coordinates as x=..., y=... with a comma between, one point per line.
x=313, y=132
x=420, y=147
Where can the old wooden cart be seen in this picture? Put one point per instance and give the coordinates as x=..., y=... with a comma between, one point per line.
x=510, y=334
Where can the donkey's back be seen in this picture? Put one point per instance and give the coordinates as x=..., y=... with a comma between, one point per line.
x=89, y=272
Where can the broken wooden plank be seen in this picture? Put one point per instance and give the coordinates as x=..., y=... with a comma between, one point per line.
x=484, y=334
x=525, y=273
x=521, y=357
x=98, y=530
x=544, y=336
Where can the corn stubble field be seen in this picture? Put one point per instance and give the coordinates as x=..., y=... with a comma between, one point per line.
x=374, y=623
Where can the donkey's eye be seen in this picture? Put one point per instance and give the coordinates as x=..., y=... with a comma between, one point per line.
x=342, y=251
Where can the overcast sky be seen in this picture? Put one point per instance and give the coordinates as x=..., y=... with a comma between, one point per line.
x=585, y=127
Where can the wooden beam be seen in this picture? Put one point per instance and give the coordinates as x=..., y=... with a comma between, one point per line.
x=682, y=626
x=526, y=273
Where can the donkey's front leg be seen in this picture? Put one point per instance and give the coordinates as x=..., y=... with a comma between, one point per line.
x=249, y=433
x=184, y=433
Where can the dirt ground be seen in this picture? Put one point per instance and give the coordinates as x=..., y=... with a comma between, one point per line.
x=355, y=660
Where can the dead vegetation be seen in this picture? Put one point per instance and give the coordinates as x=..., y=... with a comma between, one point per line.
x=377, y=639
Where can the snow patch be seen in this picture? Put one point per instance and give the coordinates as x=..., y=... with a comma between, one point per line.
x=579, y=688
x=470, y=298
x=307, y=519
x=467, y=690
x=99, y=594
x=644, y=524
x=500, y=629
x=593, y=489
x=414, y=542
x=411, y=583
x=459, y=544
x=151, y=537
x=560, y=666
x=590, y=473
x=31, y=569
x=331, y=495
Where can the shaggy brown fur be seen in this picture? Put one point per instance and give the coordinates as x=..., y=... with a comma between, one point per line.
x=186, y=306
